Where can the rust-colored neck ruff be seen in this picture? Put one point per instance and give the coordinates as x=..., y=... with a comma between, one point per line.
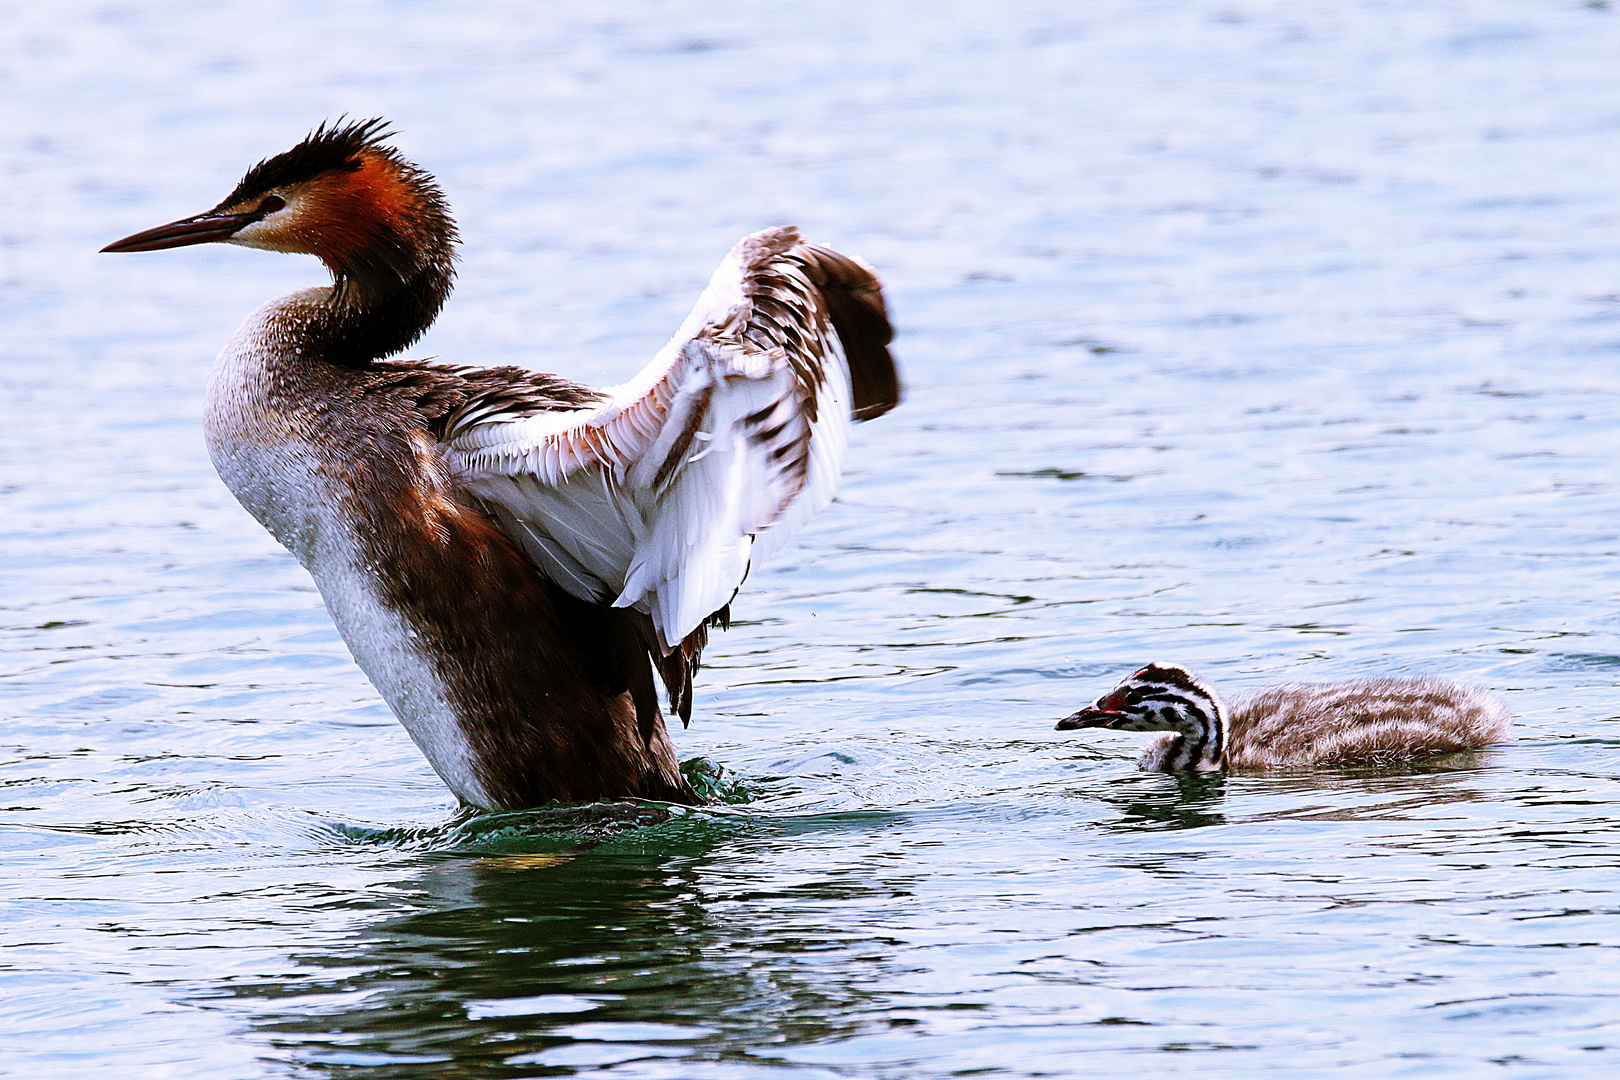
x=383, y=230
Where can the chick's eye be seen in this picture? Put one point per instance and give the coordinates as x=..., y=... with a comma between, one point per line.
x=271, y=204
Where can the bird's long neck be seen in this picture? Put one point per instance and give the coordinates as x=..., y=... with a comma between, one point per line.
x=368, y=316
x=1200, y=725
x=383, y=230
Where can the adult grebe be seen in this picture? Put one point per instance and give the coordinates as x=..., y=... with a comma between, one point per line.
x=510, y=555
x=1364, y=722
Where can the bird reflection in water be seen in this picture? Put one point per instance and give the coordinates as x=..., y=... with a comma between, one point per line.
x=650, y=946
x=1164, y=801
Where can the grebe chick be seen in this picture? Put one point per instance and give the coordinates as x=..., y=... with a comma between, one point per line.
x=513, y=557
x=1362, y=722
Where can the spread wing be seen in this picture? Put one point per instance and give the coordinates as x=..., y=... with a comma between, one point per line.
x=660, y=497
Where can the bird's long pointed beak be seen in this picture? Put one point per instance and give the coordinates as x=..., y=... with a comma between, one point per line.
x=201, y=229
x=1088, y=717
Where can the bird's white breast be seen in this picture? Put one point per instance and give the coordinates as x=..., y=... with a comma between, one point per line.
x=284, y=471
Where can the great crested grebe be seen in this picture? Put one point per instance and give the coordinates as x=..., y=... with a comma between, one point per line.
x=510, y=555
x=1363, y=722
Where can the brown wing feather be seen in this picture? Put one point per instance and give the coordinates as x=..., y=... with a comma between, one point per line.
x=448, y=396
x=681, y=664
x=854, y=299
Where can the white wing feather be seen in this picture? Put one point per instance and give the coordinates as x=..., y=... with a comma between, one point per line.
x=661, y=498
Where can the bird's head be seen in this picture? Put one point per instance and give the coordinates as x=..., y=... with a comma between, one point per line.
x=342, y=195
x=1159, y=697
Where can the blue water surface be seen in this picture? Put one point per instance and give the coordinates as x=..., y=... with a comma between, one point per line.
x=1280, y=338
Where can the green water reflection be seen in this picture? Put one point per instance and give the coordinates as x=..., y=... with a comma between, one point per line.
x=599, y=954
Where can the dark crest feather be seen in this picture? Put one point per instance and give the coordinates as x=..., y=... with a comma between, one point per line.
x=334, y=147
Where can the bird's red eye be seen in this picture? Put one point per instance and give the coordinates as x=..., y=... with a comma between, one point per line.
x=271, y=204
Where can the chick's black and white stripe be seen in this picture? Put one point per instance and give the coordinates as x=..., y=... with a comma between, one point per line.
x=1164, y=697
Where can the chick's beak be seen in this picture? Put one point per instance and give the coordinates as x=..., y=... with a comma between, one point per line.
x=1091, y=716
x=201, y=229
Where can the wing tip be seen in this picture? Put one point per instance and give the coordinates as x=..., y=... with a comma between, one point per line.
x=757, y=250
x=872, y=409
x=853, y=295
